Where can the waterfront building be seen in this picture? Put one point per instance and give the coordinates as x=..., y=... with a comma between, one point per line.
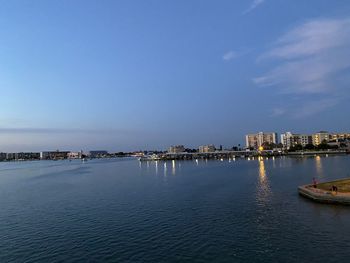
x=54, y=155
x=22, y=156
x=305, y=139
x=289, y=140
x=97, y=154
x=319, y=137
x=2, y=156
x=176, y=149
x=339, y=136
x=206, y=148
x=10, y=156
x=137, y=154
x=74, y=155
x=257, y=140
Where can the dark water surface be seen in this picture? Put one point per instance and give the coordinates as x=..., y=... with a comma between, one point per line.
x=126, y=211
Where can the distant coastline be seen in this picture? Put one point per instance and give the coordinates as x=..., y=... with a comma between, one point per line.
x=164, y=156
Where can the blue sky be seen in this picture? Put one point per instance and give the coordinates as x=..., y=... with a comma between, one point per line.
x=128, y=75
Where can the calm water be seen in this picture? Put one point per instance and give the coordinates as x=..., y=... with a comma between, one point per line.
x=126, y=211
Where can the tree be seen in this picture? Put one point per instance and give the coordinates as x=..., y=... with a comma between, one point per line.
x=268, y=146
x=190, y=150
x=309, y=147
x=297, y=147
x=323, y=146
x=279, y=145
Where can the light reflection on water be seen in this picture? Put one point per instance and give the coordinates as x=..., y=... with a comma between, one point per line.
x=263, y=187
x=173, y=167
x=319, y=169
x=156, y=165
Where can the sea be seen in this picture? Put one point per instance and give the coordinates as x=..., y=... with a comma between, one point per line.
x=124, y=210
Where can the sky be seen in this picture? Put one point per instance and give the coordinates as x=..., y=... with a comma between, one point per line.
x=127, y=75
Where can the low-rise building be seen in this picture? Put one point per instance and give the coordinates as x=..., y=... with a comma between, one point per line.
x=97, y=154
x=206, y=148
x=339, y=136
x=74, y=155
x=23, y=156
x=289, y=140
x=54, y=155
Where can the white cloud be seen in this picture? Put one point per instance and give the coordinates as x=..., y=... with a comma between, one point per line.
x=254, y=5
x=229, y=55
x=310, y=59
x=312, y=38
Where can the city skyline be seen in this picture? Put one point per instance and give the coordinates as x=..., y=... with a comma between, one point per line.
x=252, y=140
x=128, y=76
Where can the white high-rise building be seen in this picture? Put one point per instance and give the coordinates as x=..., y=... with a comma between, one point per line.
x=258, y=139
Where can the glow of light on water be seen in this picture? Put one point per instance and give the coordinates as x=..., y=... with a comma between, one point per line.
x=165, y=169
x=197, y=162
x=319, y=168
x=262, y=171
x=263, y=190
x=156, y=167
x=173, y=170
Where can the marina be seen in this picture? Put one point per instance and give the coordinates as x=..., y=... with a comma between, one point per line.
x=231, y=155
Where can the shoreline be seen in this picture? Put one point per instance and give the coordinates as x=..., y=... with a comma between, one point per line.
x=202, y=156
x=236, y=154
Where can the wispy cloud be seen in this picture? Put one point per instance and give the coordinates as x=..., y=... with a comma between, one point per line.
x=253, y=5
x=230, y=55
x=298, y=108
x=310, y=58
x=313, y=107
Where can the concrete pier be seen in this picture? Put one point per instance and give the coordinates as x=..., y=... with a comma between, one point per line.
x=323, y=193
